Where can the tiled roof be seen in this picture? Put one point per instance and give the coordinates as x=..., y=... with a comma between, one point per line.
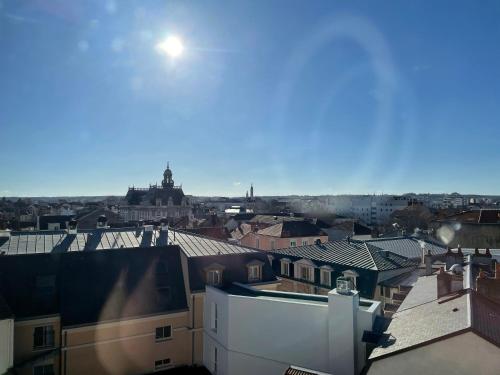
x=288, y=229
x=352, y=254
x=102, y=239
x=407, y=246
x=241, y=231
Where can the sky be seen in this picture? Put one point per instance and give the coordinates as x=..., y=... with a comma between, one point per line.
x=296, y=97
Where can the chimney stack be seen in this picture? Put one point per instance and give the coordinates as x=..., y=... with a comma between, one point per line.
x=428, y=263
x=72, y=226
x=163, y=236
x=102, y=222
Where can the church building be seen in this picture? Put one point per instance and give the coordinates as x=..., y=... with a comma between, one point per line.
x=156, y=202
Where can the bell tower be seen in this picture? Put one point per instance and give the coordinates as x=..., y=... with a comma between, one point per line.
x=167, y=178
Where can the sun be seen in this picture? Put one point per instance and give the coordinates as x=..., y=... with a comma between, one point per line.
x=171, y=46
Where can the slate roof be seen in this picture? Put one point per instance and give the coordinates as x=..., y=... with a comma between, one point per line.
x=18, y=284
x=235, y=269
x=351, y=254
x=288, y=229
x=115, y=285
x=103, y=239
x=408, y=247
x=149, y=196
x=5, y=311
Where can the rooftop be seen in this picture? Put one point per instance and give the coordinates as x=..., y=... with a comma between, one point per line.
x=409, y=247
x=288, y=229
x=349, y=253
x=238, y=289
x=423, y=318
x=61, y=241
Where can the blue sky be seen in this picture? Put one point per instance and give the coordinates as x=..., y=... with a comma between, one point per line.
x=298, y=97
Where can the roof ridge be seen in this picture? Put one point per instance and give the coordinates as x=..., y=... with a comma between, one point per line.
x=210, y=238
x=370, y=253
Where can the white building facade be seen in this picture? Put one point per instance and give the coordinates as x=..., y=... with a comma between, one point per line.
x=264, y=332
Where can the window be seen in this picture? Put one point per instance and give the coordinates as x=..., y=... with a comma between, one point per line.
x=163, y=333
x=162, y=364
x=306, y=273
x=214, y=277
x=215, y=360
x=43, y=369
x=273, y=245
x=326, y=277
x=254, y=273
x=214, y=317
x=304, y=243
x=293, y=243
x=43, y=337
x=257, y=244
x=285, y=267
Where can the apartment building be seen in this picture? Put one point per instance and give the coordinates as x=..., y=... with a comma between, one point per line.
x=250, y=331
x=114, y=301
x=314, y=268
x=283, y=235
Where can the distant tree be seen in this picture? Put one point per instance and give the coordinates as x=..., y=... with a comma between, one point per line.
x=411, y=218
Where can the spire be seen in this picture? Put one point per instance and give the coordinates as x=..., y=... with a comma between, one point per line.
x=251, y=190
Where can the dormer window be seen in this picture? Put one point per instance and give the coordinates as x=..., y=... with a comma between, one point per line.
x=285, y=266
x=214, y=274
x=326, y=276
x=305, y=270
x=255, y=270
x=214, y=277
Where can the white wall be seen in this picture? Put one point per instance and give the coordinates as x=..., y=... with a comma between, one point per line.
x=282, y=331
x=6, y=344
x=268, y=334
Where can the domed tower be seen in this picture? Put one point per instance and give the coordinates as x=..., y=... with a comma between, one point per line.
x=167, y=178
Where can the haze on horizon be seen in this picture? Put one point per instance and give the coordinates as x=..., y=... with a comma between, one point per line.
x=298, y=97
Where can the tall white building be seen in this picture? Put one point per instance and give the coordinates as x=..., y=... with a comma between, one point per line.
x=370, y=209
x=249, y=331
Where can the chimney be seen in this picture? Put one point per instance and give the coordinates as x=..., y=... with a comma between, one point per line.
x=343, y=305
x=452, y=258
x=428, y=263
x=102, y=222
x=72, y=226
x=163, y=236
x=449, y=282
